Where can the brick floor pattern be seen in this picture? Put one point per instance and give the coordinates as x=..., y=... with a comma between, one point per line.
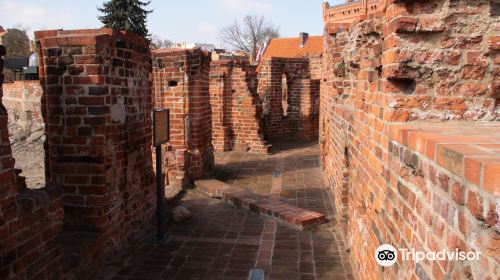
x=221, y=241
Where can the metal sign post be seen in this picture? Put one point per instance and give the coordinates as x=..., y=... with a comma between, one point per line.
x=161, y=135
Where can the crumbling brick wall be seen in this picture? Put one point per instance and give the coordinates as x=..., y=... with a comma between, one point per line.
x=181, y=84
x=236, y=107
x=290, y=97
x=30, y=219
x=417, y=61
x=22, y=99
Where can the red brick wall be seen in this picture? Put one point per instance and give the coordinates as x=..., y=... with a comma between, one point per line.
x=22, y=99
x=30, y=219
x=421, y=60
x=315, y=64
x=293, y=114
x=236, y=107
x=181, y=83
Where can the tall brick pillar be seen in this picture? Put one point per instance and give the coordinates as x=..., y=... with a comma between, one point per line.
x=181, y=84
x=97, y=109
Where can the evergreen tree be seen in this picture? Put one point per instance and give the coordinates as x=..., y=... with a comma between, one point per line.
x=128, y=15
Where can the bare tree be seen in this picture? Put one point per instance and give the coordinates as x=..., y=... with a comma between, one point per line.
x=249, y=36
x=159, y=43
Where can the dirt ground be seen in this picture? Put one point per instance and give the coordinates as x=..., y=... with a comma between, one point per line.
x=28, y=153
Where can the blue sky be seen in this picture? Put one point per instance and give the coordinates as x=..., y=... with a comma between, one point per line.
x=180, y=21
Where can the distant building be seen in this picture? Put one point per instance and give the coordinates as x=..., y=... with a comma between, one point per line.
x=302, y=46
x=221, y=54
x=340, y=17
x=184, y=45
x=297, y=47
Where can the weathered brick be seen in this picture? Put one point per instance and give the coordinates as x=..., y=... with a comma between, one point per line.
x=494, y=43
x=475, y=204
x=458, y=193
x=491, y=179
x=430, y=24
x=402, y=24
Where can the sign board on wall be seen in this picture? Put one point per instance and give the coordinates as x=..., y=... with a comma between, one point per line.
x=161, y=126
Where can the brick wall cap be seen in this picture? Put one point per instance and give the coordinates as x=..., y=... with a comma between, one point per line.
x=178, y=51
x=232, y=63
x=449, y=145
x=102, y=32
x=22, y=83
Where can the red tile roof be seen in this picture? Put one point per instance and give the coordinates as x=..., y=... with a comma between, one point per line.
x=290, y=47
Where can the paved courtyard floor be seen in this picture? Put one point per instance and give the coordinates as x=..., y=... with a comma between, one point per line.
x=223, y=242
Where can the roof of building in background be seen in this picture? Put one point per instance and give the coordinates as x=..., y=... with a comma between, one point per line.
x=2, y=31
x=291, y=47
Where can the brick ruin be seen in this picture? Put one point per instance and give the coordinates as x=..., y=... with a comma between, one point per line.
x=225, y=105
x=404, y=101
x=409, y=145
x=289, y=90
x=181, y=84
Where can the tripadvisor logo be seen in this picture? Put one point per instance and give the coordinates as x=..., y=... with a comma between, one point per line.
x=387, y=255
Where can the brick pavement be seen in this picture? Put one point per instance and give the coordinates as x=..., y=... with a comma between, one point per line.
x=223, y=242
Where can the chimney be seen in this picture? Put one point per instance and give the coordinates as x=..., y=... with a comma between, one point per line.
x=303, y=38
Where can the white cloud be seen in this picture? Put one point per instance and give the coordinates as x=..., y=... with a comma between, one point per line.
x=246, y=6
x=33, y=16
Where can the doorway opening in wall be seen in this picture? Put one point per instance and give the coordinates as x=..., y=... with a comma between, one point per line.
x=284, y=94
x=22, y=99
